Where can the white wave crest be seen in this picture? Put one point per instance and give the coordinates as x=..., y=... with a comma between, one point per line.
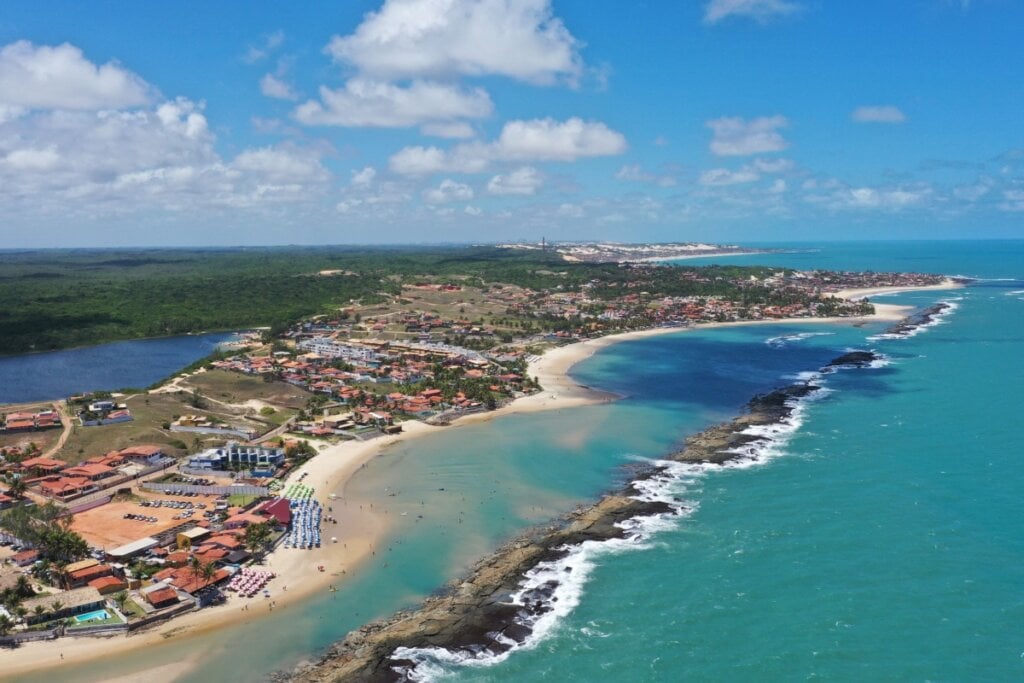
x=936, y=319
x=559, y=584
x=785, y=339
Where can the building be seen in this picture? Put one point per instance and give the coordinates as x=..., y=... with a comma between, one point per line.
x=236, y=455
x=191, y=537
x=133, y=549
x=72, y=602
x=331, y=348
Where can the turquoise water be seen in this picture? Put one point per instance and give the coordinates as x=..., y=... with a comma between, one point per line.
x=136, y=363
x=883, y=541
x=884, y=544
x=97, y=615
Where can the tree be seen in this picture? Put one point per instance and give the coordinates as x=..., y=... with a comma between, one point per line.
x=39, y=611
x=257, y=538
x=17, y=488
x=5, y=624
x=120, y=598
x=208, y=571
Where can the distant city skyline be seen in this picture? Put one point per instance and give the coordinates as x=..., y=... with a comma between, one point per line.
x=441, y=121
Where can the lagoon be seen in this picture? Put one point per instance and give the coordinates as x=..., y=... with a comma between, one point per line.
x=135, y=363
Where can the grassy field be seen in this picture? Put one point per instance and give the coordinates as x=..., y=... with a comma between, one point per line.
x=225, y=394
x=150, y=411
x=233, y=387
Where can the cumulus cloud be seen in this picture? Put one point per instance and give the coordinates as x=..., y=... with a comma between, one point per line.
x=520, y=140
x=282, y=164
x=522, y=181
x=758, y=10
x=723, y=176
x=473, y=211
x=272, y=86
x=364, y=176
x=520, y=39
x=636, y=174
x=448, y=191
x=370, y=103
x=734, y=136
x=878, y=114
x=60, y=77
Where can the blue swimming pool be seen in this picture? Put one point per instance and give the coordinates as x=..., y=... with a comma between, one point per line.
x=97, y=615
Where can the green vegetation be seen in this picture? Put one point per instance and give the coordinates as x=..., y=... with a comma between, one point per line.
x=46, y=528
x=63, y=298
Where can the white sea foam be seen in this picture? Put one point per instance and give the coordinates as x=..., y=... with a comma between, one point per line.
x=785, y=339
x=566, y=578
x=935, y=319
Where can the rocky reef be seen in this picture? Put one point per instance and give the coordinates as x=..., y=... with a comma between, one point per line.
x=478, y=615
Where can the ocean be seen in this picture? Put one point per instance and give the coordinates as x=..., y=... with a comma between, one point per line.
x=879, y=538
x=880, y=541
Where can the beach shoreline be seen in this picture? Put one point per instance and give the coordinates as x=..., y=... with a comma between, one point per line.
x=331, y=470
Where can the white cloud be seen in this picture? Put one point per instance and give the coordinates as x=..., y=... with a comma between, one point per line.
x=771, y=165
x=281, y=164
x=520, y=39
x=550, y=140
x=734, y=136
x=878, y=114
x=722, y=176
x=473, y=211
x=272, y=86
x=532, y=140
x=369, y=103
x=522, y=181
x=32, y=159
x=258, y=53
x=634, y=173
x=571, y=210
x=448, y=191
x=458, y=130
x=364, y=176
x=44, y=77
x=1013, y=200
x=758, y=10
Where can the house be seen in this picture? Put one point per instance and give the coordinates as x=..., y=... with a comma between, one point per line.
x=25, y=558
x=63, y=488
x=83, y=576
x=165, y=596
x=144, y=454
x=72, y=602
x=42, y=465
x=107, y=585
x=92, y=471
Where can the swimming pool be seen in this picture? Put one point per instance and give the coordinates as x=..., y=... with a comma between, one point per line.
x=97, y=615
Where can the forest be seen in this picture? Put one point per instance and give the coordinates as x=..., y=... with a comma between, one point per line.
x=54, y=299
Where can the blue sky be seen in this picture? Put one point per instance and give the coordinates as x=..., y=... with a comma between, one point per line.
x=227, y=123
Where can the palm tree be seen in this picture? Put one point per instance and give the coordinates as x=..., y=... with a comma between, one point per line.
x=17, y=488
x=56, y=606
x=5, y=624
x=39, y=611
x=195, y=566
x=208, y=571
x=120, y=598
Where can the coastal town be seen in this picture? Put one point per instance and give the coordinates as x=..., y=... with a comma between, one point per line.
x=123, y=510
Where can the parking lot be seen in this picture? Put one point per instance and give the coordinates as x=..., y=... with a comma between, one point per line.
x=109, y=527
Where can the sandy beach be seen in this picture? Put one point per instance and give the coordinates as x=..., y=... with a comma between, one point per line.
x=360, y=530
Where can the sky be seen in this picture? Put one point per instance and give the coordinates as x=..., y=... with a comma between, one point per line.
x=432, y=121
